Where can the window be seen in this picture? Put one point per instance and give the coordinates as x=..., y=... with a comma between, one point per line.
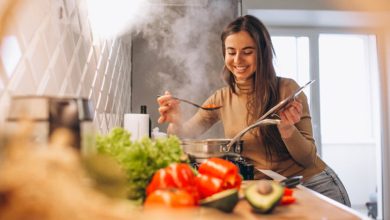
x=345, y=113
x=292, y=58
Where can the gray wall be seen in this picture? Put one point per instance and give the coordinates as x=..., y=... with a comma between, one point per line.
x=181, y=53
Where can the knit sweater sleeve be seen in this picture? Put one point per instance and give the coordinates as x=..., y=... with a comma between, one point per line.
x=203, y=120
x=300, y=144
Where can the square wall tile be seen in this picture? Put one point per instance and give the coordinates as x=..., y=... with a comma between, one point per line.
x=27, y=84
x=91, y=72
x=51, y=35
x=68, y=45
x=67, y=88
x=106, y=84
x=82, y=53
x=75, y=74
x=103, y=60
x=60, y=66
x=38, y=58
x=52, y=86
x=70, y=6
x=30, y=15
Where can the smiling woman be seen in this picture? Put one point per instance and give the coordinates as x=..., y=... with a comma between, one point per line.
x=253, y=89
x=240, y=55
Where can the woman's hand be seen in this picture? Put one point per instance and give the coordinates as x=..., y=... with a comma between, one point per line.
x=289, y=117
x=169, y=109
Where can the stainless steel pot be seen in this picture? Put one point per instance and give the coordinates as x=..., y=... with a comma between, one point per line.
x=51, y=113
x=199, y=150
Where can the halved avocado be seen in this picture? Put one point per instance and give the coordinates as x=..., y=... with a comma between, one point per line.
x=264, y=195
x=224, y=201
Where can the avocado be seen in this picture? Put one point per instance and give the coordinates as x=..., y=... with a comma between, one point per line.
x=264, y=195
x=224, y=201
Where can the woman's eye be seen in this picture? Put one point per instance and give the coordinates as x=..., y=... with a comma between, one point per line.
x=248, y=51
x=231, y=52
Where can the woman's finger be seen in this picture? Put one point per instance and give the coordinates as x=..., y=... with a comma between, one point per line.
x=163, y=109
x=161, y=119
x=288, y=117
x=298, y=106
x=162, y=100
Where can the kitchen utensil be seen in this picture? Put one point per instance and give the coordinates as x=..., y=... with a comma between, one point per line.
x=283, y=104
x=51, y=113
x=196, y=105
x=199, y=150
x=274, y=110
x=292, y=181
x=239, y=135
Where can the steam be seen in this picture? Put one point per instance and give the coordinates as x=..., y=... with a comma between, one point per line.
x=116, y=17
x=184, y=37
x=185, y=34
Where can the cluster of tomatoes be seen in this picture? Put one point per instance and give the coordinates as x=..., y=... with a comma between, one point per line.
x=178, y=185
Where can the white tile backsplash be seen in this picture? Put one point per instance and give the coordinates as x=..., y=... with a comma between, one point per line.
x=61, y=56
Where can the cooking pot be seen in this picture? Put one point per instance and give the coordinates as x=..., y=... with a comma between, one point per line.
x=199, y=150
x=51, y=113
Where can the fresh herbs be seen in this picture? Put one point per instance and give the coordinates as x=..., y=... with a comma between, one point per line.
x=139, y=159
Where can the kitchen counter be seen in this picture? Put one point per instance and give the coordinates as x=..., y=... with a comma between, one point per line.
x=309, y=205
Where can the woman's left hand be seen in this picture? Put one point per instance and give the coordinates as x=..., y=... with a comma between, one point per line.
x=289, y=117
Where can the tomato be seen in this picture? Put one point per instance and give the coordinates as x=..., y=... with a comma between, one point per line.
x=208, y=185
x=288, y=191
x=172, y=197
x=286, y=200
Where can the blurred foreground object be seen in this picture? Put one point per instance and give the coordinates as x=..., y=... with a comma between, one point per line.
x=50, y=183
x=52, y=114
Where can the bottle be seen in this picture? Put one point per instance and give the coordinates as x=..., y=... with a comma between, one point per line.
x=144, y=111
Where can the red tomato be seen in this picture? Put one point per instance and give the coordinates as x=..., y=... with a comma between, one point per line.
x=288, y=191
x=175, y=198
x=286, y=200
x=219, y=168
x=208, y=185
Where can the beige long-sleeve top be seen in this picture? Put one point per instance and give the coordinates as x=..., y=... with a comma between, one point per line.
x=302, y=160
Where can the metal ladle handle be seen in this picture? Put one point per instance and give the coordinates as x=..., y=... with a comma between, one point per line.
x=239, y=135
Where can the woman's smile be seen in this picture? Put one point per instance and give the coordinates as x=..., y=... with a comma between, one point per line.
x=240, y=55
x=241, y=69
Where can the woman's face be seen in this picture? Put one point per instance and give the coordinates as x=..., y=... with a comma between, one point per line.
x=240, y=55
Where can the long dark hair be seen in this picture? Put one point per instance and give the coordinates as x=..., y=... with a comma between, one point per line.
x=265, y=82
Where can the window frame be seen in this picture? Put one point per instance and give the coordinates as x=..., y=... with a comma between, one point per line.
x=313, y=33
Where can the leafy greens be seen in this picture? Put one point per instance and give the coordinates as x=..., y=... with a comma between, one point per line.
x=139, y=159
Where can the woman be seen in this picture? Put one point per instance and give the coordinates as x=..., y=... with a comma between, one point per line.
x=253, y=88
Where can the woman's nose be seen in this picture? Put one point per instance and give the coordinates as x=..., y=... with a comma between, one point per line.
x=237, y=57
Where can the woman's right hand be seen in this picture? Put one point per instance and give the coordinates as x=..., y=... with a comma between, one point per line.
x=169, y=109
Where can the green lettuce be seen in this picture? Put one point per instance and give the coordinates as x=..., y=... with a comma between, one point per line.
x=139, y=159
